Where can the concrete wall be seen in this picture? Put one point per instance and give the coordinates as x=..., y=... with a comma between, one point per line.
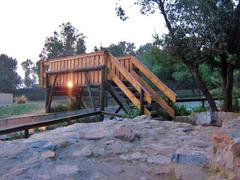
x=6, y=98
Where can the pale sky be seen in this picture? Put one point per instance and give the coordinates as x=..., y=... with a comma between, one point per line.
x=25, y=24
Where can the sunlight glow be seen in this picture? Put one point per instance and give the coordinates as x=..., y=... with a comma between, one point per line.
x=70, y=84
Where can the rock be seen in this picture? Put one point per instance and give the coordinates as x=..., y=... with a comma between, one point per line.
x=205, y=118
x=41, y=145
x=66, y=169
x=48, y=154
x=184, y=119
x=84, y=152
x=159, y=159
x=235, y=149
x=162, y=171
x=125, y=134
x=183, y=172
x=188, y=156
x=98, y=176
x=94, y=136
x=134, y=156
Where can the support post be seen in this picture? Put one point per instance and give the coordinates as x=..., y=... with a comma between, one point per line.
x=26, y=133
x=46, y=93
x=142, y=101
x=102, y=91
x=51, y=94
x=89, y=92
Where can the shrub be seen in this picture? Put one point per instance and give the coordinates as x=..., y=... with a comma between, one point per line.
x=20, y=99
x=181, y=110
x=134, y=112
x=199, y=109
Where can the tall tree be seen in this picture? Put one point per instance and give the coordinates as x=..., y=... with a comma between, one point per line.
x=120, y=49
x=64, y=43
x=201, y=32
x=29, y=73
x=9, y=79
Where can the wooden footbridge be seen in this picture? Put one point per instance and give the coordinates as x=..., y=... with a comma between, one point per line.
x=123, y=78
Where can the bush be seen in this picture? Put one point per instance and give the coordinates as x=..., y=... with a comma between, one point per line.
x=20, y=99
x=181, y=110
x=199, y=109
x=134, y=112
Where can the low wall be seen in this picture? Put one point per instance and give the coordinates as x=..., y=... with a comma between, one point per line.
x=6, y=98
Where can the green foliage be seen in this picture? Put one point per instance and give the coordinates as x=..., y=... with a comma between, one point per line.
x=132, y=113
x=199, y=109
x=68, y=42
x=122, y=48
x=72, y=104
x=181, y=110
x=29, y=73
x=18, y=109
x=9, y=79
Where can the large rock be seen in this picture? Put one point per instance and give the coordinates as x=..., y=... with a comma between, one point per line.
x=125, y=134
x=66, y=169
x=226, y=149
x=190, y=157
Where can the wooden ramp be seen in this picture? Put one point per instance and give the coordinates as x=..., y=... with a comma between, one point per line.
x=123, y=78
x=25, y=123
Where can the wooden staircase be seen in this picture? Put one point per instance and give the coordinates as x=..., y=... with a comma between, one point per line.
x=125, y=74
x=124, y=77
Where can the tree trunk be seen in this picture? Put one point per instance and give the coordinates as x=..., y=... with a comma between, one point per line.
x=203, y=87
x=227, y=76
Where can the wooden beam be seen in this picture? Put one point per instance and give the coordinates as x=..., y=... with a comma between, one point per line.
x=51, y=94
x=128, y=93
x=89, y=91
x=158, y=83
x=130, y=78
x=155, y=96
x=86, y=69
x=115, y=96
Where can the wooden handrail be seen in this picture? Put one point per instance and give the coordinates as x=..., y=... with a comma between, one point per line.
x=130, y=78
x=158, y=83
x=155, y=96
x=128, y=93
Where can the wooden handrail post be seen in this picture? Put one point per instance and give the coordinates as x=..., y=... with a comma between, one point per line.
x=142, y=101
x=102, y=91
x=46, y=93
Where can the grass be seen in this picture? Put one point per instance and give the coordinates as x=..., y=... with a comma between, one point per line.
x=18, y=109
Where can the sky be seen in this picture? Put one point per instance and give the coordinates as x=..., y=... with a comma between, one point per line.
x=25, y=24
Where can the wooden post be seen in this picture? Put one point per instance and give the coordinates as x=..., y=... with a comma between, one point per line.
x=89, y=91
x=50, y=95
x=46, y=93
x=102, y=91
x=26, y=133
x=142, y=101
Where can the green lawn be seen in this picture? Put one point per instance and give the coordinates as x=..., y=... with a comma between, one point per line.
x=19, y=109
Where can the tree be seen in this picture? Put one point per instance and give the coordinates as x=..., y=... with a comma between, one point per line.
x=30, y=74
x=9, y=79
x=120, y=49
x=68, y=42
x=201, y=32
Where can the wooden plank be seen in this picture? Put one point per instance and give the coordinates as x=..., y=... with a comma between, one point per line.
x=130, y=78
x=128, y=93
x=76, y=56
x=155, y=96
x=166, y=91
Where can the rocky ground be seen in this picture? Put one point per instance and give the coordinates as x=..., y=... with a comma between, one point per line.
x=138, y=149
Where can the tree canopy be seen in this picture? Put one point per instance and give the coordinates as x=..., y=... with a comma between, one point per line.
x=29, y=73
x=201, y=32
x=64, y=43
x=9, y=79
